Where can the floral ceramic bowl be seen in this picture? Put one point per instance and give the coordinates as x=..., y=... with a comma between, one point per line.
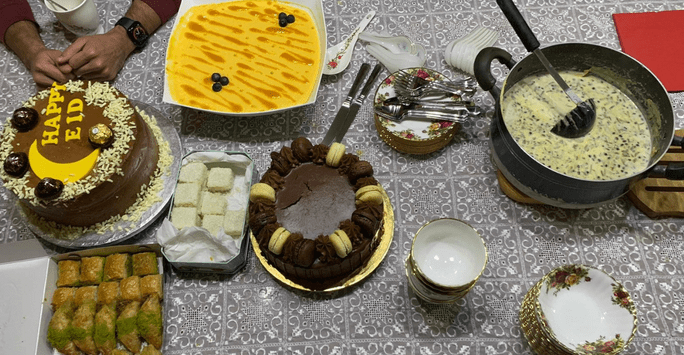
x=413, y=136
x=586, y=311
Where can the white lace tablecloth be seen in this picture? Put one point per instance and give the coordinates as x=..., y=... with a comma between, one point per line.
x=250, y=313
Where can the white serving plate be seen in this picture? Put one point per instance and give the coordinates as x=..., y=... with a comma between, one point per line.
x=315, y=8
x=586, y=310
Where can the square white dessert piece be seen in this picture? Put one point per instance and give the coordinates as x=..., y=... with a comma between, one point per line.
x=193, y=172
x=187, y=194
x=213, y=203
x=212, y=223
x=220, y=179
x=233, y=223
x=182, y=217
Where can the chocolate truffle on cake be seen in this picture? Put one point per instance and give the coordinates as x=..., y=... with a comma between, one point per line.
x=16, y=164
x=24, y=119
x=331, y=230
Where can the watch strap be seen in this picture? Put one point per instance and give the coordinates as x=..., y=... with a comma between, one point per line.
x=125, y=22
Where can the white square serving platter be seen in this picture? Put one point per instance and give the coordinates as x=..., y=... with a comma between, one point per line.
x=315, y=8
x=28, y=278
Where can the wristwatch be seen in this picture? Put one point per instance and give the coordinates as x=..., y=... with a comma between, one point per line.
x=136, y=32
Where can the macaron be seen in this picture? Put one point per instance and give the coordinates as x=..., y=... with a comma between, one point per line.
x=261, y=190
x=366, y=221
x=278, y=239
x=280, y=164
x=301, y=148
x=335, y=154
x=371, y=194
x=305, y=253
x=360, y=170
x=341, y=243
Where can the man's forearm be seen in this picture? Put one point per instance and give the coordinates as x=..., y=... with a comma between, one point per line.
x=23, y=39
x=144, y=14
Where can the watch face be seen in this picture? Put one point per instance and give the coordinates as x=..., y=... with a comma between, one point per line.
x=139, y=35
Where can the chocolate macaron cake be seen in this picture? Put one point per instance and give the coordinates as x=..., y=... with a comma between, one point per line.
x=317, y=213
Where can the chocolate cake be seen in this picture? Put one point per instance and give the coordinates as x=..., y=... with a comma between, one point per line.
x=77, y=154
x=316, y=213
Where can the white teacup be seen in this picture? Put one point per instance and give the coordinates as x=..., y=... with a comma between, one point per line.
x=80, y=16
x=447, y=257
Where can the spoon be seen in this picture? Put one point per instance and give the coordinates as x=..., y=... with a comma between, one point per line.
x=397, y=45
x=397, y=103
x=337, y=57
x=423, y=114
x=578, y=122
x=394, y=61
x=396, y=107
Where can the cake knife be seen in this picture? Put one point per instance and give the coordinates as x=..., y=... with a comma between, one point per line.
x=344, y=110
x=356, y=105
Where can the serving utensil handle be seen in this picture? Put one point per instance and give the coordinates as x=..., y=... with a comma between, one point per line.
x=519, y=25
x=357, y=81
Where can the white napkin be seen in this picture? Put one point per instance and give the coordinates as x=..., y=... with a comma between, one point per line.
x=194, y=244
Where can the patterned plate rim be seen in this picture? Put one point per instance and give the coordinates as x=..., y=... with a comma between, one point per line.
x=628, y=306
x=386, y=90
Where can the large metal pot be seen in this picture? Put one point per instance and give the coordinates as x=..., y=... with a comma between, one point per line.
x=617, y=68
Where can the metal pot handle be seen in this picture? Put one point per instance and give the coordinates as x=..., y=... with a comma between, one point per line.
x=672, y=171
x=483, y=68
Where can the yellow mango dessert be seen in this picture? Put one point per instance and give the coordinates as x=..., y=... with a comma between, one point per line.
x=244, y=56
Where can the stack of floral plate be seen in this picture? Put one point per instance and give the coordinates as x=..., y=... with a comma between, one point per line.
x=414, y=136
x=577, y=309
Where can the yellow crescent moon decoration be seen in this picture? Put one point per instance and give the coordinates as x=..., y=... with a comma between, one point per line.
x=66, y=172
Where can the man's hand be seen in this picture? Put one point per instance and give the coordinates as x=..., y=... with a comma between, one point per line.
x=46, y=69
x=98, y=57
x=22, y=38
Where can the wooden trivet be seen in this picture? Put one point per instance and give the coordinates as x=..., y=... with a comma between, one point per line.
x=512, y=192
x=659, y=197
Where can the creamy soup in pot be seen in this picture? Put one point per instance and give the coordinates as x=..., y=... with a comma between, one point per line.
x=618, y=146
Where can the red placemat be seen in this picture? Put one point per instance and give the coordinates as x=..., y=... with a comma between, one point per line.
x=656, y=40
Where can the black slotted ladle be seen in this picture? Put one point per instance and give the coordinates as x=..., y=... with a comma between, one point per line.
x=580, y=120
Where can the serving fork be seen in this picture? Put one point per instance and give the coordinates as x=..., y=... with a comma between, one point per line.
x=411, y=86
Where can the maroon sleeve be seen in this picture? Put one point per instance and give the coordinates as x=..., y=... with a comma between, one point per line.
x=165, y=9
x=13, y=11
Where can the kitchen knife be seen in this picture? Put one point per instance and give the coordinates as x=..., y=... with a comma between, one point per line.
x=344, y=110
x=356, y=105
